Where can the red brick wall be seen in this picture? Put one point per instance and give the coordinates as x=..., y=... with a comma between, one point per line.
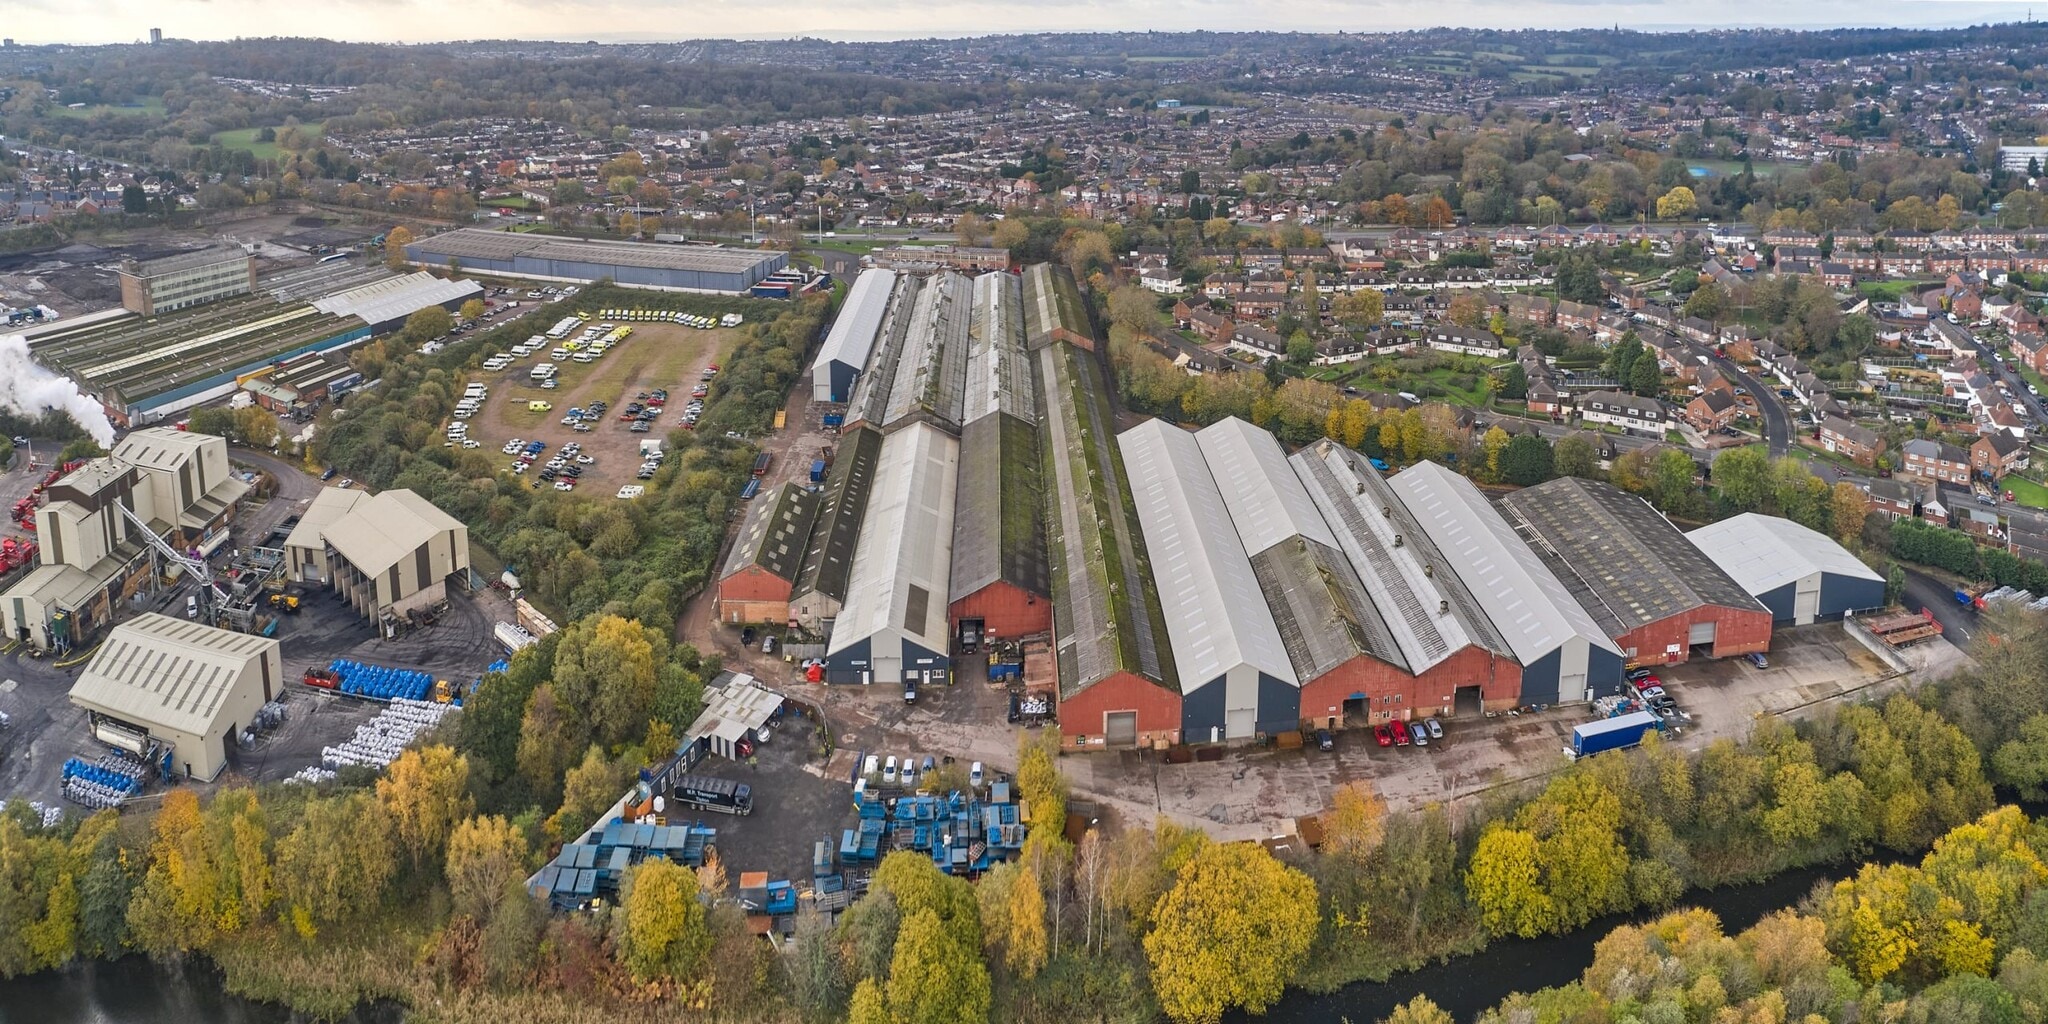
x=1432, y=693
x=753, y=594
x=1736, y=632
x=1006, y=611
x=1082, y=716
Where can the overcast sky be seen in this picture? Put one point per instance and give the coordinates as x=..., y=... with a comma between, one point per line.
x=116, y=21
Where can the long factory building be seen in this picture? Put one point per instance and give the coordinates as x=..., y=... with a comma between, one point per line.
x=657, y=265
x=1191, y=586
x=145, y=369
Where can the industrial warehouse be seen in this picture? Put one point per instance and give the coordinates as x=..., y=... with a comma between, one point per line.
x=161, y=687
x=150, y=367
x=1208, y=586
x=668, y=267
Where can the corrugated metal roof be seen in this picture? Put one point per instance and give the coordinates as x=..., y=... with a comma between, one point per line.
x=999, y=523
x=167, y=673
x=998, y=367
x=375, y=534
x=869, y=402
x=184, y=261
x=1763, y=553
x=1052, y=301
x=931, y=371
x=397, y=298
x=1410, y=582
x=327, y=508
x=775, y=533
x=1106, y=616
x=1531, y=608
x=1215, y=612
x=162, y=447
x=1624, y=562
x=903, y=565
x=853, y=333
x=1266, y=500
x=485, y=244
x=828, y=559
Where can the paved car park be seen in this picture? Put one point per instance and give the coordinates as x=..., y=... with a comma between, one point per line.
x=1250, y=793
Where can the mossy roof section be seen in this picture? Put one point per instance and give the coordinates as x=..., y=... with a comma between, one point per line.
x=1052, y=301
x=776, y=533
x=999, y=528
x=828, y=559
x=1106, y=613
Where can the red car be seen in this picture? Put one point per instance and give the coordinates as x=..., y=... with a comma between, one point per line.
x=1381, y=733
x=1400, y=731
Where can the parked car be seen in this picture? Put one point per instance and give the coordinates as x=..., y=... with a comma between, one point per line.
x=1400, y=732
x=324, y=477
x=1325, y=741
x=1436, y=730
x=1757, y=659
x=889, y=770
x=747, y=636
x=1638, y=673
x=974, y=776
x=1383, y=734
x=1420, y=734
x=909, y=773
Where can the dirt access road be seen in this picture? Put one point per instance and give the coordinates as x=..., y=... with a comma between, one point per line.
x=655, y=356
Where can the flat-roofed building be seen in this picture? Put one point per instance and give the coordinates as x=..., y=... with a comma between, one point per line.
x=690, y=268
x=150, y=287
x=170, y=682
x=1237, y=681
x=1566, y=658
x=1657, y=596
x=891, y=628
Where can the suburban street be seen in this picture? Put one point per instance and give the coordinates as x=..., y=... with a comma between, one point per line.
x=1777, y=421
x=1922, y=591
x=1996, y=368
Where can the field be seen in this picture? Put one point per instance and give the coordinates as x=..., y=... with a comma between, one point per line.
x=2026, y=492
x=148, y=106
x=1437, y=383
x=655, y=356
x=245, y=138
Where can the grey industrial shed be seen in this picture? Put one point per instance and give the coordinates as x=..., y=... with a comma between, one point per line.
x=1800, y=574
x=692, y=268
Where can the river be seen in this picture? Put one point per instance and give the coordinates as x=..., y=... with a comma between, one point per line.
x=135, y=991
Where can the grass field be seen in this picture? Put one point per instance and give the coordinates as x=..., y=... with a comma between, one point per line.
x=245, y=138
x=2026, y=492
x=151, y=106
x=1888, y=291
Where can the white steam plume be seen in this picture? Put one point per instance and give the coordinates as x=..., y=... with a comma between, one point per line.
x=28, y=388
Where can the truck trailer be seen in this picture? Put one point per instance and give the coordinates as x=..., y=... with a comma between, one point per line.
x=715, y=794
x=1615, y=733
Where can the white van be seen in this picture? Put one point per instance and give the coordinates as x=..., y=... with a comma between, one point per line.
x=192, y=612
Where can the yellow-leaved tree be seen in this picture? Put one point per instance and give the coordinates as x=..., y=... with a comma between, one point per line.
x=661, y=931
x=1231, y=932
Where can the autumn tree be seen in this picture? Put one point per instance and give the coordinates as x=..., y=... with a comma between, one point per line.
x=337, y=862
x=486, y=855
x=1848, y=507
x=1742, y=476
x=1134, y=309
x=972, y=229
x=661, y=930
x=1677, y=203
x=1359, y=309
x=1419, y=1010
x=587, y=790
x=425, y=325
x=395, y=242
x=1231, y=932
x=425, y=791
x=472, y=309
x=1574, y=455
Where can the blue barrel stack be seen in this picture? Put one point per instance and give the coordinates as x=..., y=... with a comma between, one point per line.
x=105, y=783
x=380, y=683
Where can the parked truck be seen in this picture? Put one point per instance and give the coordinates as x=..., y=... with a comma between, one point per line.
x=1615, y=733
x=714, y=794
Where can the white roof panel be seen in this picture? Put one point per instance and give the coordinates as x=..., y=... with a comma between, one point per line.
x=1216, y=615
x=1764, y=553
x=904, y=561
x=1266, y=500
x=167, y=673
x=1526, y=602
x=860, y=318
x=998, y=369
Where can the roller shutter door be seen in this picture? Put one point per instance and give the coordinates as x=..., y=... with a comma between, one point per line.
x=1700, y=633
x=1121, y=727
x=1241, y=724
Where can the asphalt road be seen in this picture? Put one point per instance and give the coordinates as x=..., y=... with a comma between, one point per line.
x=1777, y=421
x=1958, y=624
x=1997, y=368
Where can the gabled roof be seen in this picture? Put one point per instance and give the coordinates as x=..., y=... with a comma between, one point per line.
x=1763, y=553
x=852, y=336
x=1624, y=562
x=776, y=532
x=1215, y=612
x=1526, y=602
x=998, y=367
x=168, y=673
x=828, y=559
x=931, y=371
x=999, y=524
x=375, y=534
x=904, y=562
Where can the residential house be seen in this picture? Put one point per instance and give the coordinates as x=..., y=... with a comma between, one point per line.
x=1161, y=281
x=1711, y=411
x=1213, y=327
x=1935, y=460
x=1576, y=316
x=1469, y=341
x=1859, y=443
x=1996, y=454
x=1630, y=412
x=2031, y=351
x=1894, y=499
x=1258, y=342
